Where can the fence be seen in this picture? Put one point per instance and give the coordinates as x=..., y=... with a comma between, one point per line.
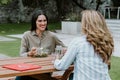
x=107, y=10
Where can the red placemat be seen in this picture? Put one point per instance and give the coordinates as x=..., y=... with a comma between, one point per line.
x=21, y=66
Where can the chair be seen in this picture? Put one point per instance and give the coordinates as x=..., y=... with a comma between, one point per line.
x=48, y=76
x=118, y=13
x=65, y=75
x=107, y=8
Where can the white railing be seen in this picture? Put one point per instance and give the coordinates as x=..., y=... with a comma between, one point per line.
x=108, y=11
x=118, y=13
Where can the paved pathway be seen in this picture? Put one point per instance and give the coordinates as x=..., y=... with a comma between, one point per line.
x=2, y=38
x=2, y=56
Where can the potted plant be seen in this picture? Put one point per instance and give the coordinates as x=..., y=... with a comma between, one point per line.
x=71, y=25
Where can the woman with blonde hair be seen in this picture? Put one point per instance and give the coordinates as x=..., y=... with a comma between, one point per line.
x=90, y=52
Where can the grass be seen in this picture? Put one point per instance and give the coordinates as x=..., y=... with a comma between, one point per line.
x=11, y=48
x=15, y=28
x=115, y=68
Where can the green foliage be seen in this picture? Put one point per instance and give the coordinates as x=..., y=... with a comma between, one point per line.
x=34, y=3
x=4, y=1
x=72, y=17
x=116, y=3
x=54, y=26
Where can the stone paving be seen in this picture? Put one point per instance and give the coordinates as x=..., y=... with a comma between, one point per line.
x=2, y=38
x=2, y=56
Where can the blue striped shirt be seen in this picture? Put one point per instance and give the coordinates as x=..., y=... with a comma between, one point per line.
x=87, y=64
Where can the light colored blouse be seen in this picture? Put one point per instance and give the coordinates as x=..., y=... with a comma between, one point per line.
x=87, y=64
x=48, y=40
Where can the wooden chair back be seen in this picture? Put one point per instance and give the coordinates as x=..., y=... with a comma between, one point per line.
x=65, y=75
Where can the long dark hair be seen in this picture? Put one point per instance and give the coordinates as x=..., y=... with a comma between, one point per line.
x=34, y=18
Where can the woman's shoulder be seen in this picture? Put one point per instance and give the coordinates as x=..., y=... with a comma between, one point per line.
x=80, y=38
x=50, y=33
x=26, y=33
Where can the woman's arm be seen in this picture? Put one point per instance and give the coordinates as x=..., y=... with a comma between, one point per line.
x=24, y=47
x=68, y=58
x=58, y=41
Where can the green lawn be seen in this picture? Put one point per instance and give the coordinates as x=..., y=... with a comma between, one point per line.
x=15, y=28
x=11, y=48
x=115, y=68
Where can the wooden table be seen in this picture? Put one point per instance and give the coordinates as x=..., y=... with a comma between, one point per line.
x=45, y=63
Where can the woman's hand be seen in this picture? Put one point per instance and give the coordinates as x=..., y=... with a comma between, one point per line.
x=64, y=50
x=32, y=52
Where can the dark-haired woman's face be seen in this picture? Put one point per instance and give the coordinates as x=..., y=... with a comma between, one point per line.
x=41, y=23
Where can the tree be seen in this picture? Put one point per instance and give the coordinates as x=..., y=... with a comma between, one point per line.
x=79, y=4
x=99, y=2
x=60, y=7
x=21, y=11
x=34, y=3
x=116, y=3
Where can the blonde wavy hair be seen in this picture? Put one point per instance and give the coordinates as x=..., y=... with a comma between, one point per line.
x=95, y=28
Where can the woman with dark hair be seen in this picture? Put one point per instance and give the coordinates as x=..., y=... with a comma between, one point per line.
x=91, y=52
x=35, y=17
x=38, y=37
